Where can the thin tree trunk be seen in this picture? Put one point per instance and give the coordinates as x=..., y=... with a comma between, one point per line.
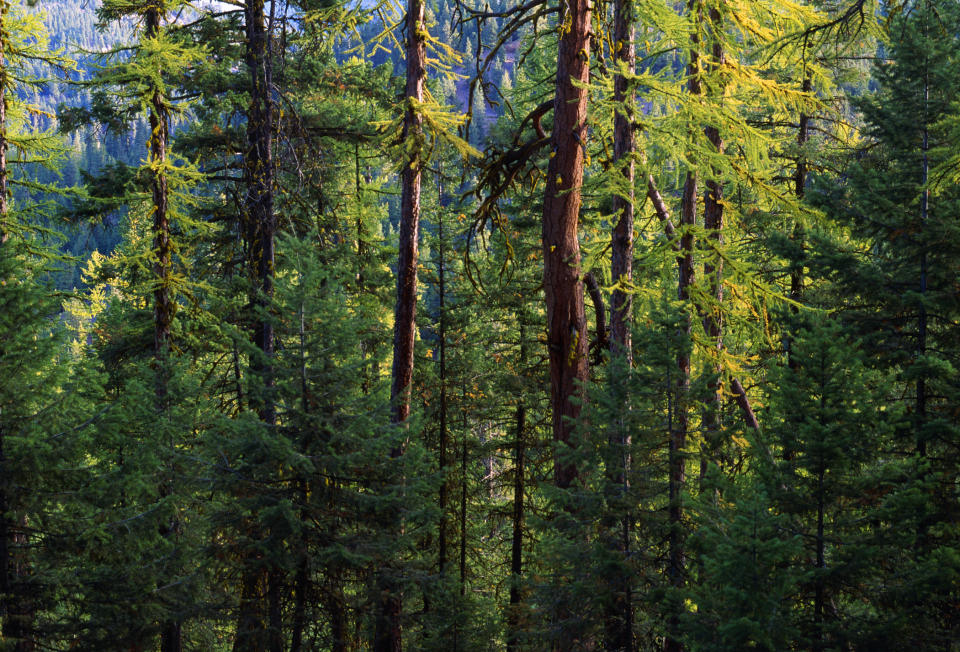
x=799, y=191
x=819, y=596
x=275, y=587
x=678, y=437
x=713, y=272
x=566, y=321
x=621, y=266
x=463, y=511
x=4, y=145
x=619, y=612
x=162, y=268
x=924, y=209
x=255, y=613
x=302, y=579
x=252, y=619
x=444, y=434
x=516, y=549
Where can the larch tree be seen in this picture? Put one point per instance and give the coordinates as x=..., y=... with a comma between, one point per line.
x=388, y=635
x=619, y=617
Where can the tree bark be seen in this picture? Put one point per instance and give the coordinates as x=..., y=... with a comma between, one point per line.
x=444, y=443
x=253, y=633
x=678, y=437
x=516, y=550
x=4, y=145
x=159, y=135
x=163, y=307
x=566, y=321
x=799, y=190
x=618, y=619
x=388, y=634
x=713, y=272
x=621, y=266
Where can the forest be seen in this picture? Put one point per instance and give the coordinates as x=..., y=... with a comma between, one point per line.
x=338, y=325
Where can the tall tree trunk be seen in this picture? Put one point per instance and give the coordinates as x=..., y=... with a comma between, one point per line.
x=621, y=266
x=924, y=209
x=253, y=633
x=713, y=272
x=387, y=637
x=566, y=321
x=302, y=579
x=678, y=437
x=444, y=434
x=463, y=508
x=4, y=145
x=819, y=589
x=162, y=269
x=404, y=333
x=170, y=630
x=516, y=548
x=619, y=612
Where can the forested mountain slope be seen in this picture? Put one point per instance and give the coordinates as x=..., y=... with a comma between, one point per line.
x=515, y=326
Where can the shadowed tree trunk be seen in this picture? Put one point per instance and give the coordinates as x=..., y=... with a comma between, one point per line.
x=256, y=617
x=516, y=549
x=619, y=612
x=713, y=273
x=678, y=436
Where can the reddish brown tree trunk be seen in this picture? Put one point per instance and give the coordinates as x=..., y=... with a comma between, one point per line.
x=387, y=637
x=404, y=331
x=566, y=321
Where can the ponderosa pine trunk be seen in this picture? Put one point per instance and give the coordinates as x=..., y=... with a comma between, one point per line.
x=254, y=616
x=388, y=634
x=563, y=286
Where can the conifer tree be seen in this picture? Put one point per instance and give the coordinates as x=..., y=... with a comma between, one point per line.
x=900, y=295
x=28, y=402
